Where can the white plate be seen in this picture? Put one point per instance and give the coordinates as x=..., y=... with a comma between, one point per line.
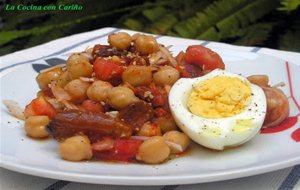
x=264, y=153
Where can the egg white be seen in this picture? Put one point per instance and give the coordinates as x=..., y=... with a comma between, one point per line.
x=218, y=133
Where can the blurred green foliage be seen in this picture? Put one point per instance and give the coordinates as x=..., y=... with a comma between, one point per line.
x=268, y=23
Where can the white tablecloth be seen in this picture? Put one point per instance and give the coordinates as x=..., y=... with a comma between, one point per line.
x=283, y=179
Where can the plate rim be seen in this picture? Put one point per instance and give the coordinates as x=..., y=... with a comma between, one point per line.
x=150, y=180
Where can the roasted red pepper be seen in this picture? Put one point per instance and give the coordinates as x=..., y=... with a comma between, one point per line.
x=123, y=150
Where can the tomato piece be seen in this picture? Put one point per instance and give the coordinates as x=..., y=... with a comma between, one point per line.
x=92, y=106
x=124, y=150
x=108, y=70
x=39, y=106
x=128, y=147
x=29, y=111
x=204, y=58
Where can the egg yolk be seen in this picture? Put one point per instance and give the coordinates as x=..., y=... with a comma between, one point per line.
x=219, y=97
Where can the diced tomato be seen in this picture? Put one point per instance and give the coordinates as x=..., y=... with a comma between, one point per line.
x=108, y=70
x=124, y=150
x=39, y=106
x=128, y=147
x=29, y=111
x=204, y=57
x=92, y=106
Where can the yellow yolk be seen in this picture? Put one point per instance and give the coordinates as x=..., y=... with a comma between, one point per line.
x=219, y=97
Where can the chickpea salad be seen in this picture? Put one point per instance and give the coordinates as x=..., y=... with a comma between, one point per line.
x=111, y=102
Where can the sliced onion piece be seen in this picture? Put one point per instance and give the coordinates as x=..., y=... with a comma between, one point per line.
x=168, y=55
x=106, y=143
x=70, y=105
x=86, y=79
x=281, y=84
x=175, y=146
x=55, y=103
x=88, y=55
x=59, y=93
x=14, y=109
x=113, y=114
x=155, y=57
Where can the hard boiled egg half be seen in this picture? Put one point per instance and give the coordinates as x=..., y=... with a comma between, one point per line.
x=218, y=110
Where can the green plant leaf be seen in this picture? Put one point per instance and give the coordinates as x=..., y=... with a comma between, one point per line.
x=163, y=25
x=289, y=5
x=209, y=16
x=155, y=13
x=238, y=19
x=133, y=24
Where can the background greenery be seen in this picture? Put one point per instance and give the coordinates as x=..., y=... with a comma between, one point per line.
x=268, y=23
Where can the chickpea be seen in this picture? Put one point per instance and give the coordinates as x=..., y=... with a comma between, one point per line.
x=149, y=130
x=98, y=91
x=153, y=151
x=120, y=40
x=177, y=138
x=137, y=75
x=167, y=75
x=146, y=44
x=165, y=124
x=79, y=66
x=120, y=97
x=76, y=148
x=77, y=89
x=35, y=126
x=43, y=79
x=63, y=80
